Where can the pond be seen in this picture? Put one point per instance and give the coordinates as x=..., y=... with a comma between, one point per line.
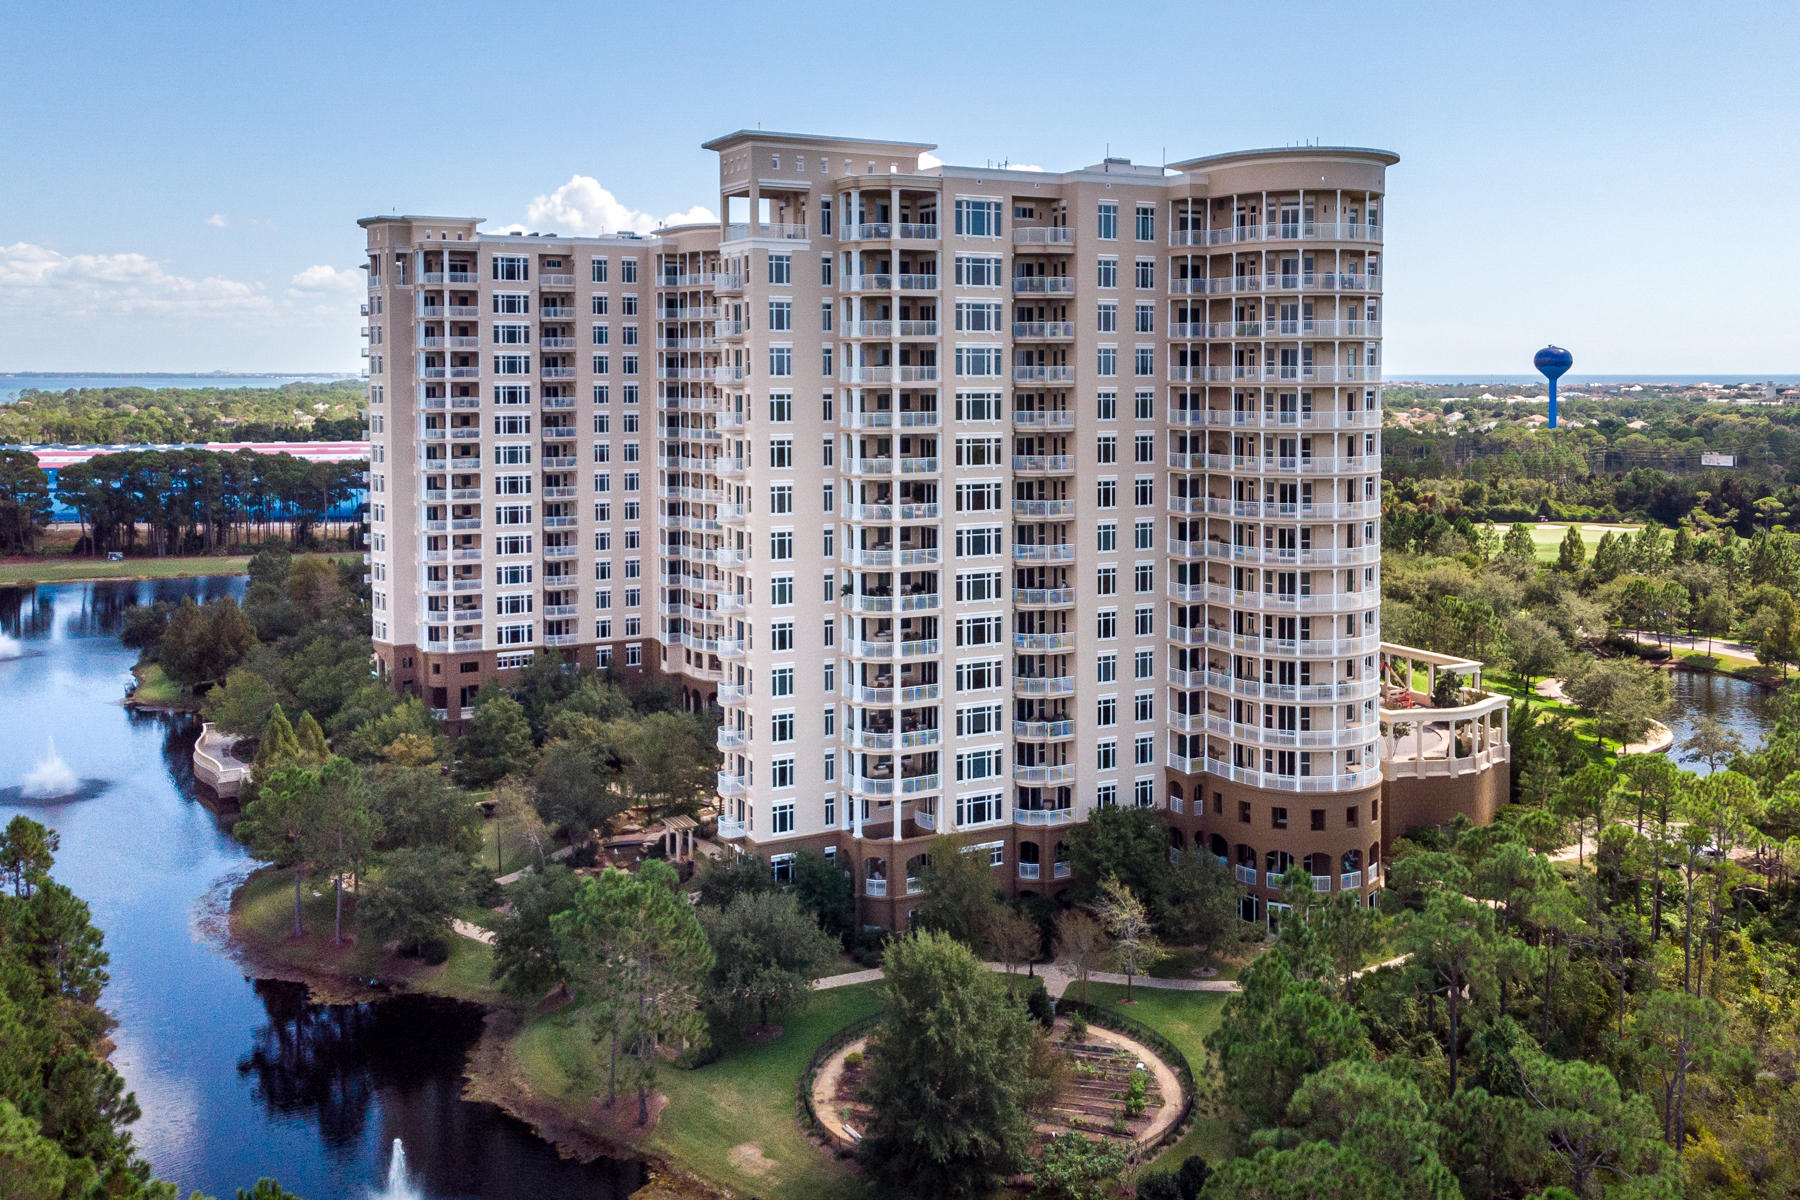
x=1737, y=704
x=238, y=1078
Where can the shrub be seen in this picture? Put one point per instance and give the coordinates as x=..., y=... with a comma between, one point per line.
x=853, y=1060
x=1137, y=1093
x=1037, y=1003
x=1077, y=1027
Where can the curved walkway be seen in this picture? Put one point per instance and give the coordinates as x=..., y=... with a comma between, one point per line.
x=825, y=1084
x=1658, y=738
x=1057, y=979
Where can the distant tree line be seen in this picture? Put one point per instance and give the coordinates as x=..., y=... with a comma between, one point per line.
x=196, y=501
x=293, y=412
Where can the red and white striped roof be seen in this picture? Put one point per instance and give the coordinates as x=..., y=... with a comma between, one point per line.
x=52, y=457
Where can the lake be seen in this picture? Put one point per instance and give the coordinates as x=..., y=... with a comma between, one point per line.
x=237, y=1078
x=1737, y=704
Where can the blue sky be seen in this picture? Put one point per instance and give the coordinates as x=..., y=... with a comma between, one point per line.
x=181, y=181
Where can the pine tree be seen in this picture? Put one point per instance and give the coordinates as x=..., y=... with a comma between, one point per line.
x=310, y=740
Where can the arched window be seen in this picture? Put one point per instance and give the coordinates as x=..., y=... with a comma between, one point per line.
x=1030, y=860
x=1177, y=798
x=1219, y=846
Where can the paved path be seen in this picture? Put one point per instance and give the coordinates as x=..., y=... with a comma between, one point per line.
x=1682, y=641
x=1057, y=979
x=472, y=931
x=1657, y=739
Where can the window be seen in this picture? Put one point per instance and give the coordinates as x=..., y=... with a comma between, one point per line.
x=1106, y=712
x=1278, y=818
x=1106, y=756
x=1109, y=272
x=978, y=360
x=978, y=541
x=978, y=675
x=1109, y=220
x=511, y=267
x=1107, y=493
x=1143, y=492
x=781, y=407
x=781, y=316
x=977, y=497
x=977, y=317
x=979, y=452
x=976, y=720
x=781, y=727
x=978, y=270
x=1144, y=792
x=1107, y=624
x=979, y=764
x=1143, y=361
x=1144, y=536
x=1143, y=664
x=781, y=498
x=977, y=586
x=1318, y=819
x=977, y=218
x=978, y=406
x=781, y=361
x=781, y=681
x=1143, y=707
x=598, y=306
x=1146, y=222
x=781, y=590
x=781, y=545
x=1106, y=795
x=513, y=304
x=1143, y=622
x=1144, y=576
x=1106, y=405
x=781, y=269
x=628, y=270
x=1143, y=750
x=1144, y=318
x=982, y=808
x=1144, y=448
x=781, y=636
x=1106, y=448
x=1145, y=274
x=978, y=631
x=1108, y=316
x=1106, y=361
x=781, y=454
x=1106, y=668
x=1107, y=536
x=597, y=270
x=781, y=772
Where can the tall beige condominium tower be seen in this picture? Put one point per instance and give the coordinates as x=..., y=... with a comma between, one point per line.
x=972, y=498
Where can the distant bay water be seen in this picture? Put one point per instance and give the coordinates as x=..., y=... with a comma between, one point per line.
x=1576, y=379
x=12, y=383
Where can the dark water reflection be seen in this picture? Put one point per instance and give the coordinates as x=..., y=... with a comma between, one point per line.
x=1737, y=704
x=237, y=1078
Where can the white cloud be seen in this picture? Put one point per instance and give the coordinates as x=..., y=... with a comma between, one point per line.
x=325, y=278
x=217, y=221
x=927, y=160
x=583, y=208
x=40, y=281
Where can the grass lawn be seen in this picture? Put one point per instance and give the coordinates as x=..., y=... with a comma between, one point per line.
x=1185, y=1018
x=1183, y=960
x=67, y=569
x=731, y=1121
x=262, y=919
x=154, y=687
x=517, y=855
x=1547, y=536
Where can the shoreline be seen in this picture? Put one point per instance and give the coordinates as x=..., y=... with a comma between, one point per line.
x=489, y=1073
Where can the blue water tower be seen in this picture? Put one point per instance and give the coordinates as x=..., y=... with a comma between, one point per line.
x=1553, y=361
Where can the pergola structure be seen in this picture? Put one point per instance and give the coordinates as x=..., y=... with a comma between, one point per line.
x=1420, y=738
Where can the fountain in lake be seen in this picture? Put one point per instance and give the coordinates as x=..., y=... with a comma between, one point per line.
x=51, y=777
x=399, y=1187
x=51, y=781
x=11, y=647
